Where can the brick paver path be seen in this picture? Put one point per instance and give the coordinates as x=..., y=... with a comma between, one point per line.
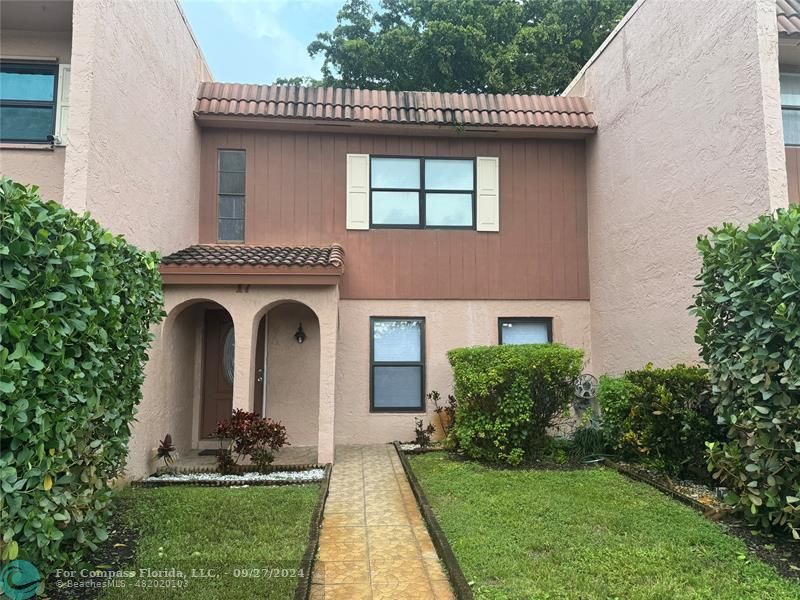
x=373, y=542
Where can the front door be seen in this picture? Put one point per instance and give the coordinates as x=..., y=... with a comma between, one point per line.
x=217, y=370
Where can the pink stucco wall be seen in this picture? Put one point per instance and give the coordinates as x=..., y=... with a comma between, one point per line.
x=687, y=101
x=448, y=324
x=134, y=154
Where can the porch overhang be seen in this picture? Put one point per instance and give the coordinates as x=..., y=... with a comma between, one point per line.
x=240, y=264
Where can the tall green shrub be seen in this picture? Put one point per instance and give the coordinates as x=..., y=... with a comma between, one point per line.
x=748, y=311
x=509, y=395
x=660, y=416
x=76, y=305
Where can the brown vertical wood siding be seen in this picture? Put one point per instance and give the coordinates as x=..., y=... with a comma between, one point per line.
x=296, y=196
x=793, y=173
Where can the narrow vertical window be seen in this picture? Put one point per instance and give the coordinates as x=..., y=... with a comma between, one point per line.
x=397, y=364
x=230, y=195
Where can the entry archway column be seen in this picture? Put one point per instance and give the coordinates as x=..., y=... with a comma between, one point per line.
x=243, y=358
x=328, y=315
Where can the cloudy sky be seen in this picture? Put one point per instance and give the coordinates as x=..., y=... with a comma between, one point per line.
x=255, y=41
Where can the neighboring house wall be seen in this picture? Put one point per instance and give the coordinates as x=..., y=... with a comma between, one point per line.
x=42, y=165
x=793, y=172
x=296, y=194
x=134, y=154
x=689, y=135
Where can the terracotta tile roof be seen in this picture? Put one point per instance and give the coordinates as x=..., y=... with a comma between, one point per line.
x=379, y=106
x=239, y=254
x=788, y=17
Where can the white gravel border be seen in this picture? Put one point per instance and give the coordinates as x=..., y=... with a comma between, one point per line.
x=253, y=477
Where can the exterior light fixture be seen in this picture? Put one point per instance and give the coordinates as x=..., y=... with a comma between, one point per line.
x=300, y=335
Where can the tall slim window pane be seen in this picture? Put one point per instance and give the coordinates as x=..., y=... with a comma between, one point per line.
x=230, y=195
x=397, y=363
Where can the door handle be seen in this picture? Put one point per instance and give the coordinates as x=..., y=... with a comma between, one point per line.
x=260, y=375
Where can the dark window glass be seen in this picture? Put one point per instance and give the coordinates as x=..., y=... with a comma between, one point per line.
x=231, y=196
x=27, y=102
x=535, y=330
x=397, y=364
x=422, y=192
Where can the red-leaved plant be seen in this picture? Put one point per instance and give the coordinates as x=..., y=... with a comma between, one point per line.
x=248, y=434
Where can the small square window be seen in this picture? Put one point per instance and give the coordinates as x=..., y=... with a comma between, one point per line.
x=521, y=330
x=397, y=364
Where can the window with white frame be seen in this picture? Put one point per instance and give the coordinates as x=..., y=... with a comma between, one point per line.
x=790, y=107
x=409, y=192
x=397, y=364
x=525, y=330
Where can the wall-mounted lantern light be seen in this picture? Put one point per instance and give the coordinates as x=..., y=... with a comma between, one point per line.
x=300, y=335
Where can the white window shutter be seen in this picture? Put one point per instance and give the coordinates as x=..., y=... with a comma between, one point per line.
x=62, y=104
x=488, y=191
x=358, y=191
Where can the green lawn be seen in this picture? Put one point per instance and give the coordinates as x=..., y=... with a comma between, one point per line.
x=585, y=534
x=218, y=529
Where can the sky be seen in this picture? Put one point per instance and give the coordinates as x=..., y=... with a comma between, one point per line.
x=255, y=41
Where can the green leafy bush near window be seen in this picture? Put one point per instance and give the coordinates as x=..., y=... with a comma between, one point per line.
x=508, y=396
x=76, y=306
x=748, y=311
x=662, y=417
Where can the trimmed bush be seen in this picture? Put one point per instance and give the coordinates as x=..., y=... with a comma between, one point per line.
x=748, y=311
x=662, y=417
x=76, y=305
x=509, y=395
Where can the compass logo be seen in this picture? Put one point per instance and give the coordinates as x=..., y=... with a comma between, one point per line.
x=19, y=580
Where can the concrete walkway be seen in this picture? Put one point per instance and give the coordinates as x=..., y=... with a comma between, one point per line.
x=373, y=541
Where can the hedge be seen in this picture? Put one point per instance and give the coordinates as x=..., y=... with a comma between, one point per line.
x=748, y=311
x=76, y=306
x=507, y=396
x=662, y=417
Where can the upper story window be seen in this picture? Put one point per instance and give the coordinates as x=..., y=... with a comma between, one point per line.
x=525, y=330
x=230, y=195
x=790, y=105
x=28, y=102
x=422, y=192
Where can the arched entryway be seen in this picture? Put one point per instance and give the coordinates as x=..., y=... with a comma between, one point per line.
x=286, y=385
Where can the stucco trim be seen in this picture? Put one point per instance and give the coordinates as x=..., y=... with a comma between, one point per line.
x=248, y=274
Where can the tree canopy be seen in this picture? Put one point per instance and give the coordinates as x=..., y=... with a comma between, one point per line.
x=499, y=46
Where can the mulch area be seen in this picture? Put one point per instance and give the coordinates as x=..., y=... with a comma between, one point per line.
x=118, y=551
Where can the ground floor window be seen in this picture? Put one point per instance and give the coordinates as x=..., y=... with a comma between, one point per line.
x=525, y=330
x=397, y=364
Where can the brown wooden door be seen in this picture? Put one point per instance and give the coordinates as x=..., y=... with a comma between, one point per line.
x=217, y=370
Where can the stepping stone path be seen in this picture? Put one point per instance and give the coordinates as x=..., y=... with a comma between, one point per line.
x=373, y=542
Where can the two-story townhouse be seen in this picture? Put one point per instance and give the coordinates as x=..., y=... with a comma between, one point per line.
x=349, y=239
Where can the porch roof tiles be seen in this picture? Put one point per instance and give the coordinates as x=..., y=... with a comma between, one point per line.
x=265, y=256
